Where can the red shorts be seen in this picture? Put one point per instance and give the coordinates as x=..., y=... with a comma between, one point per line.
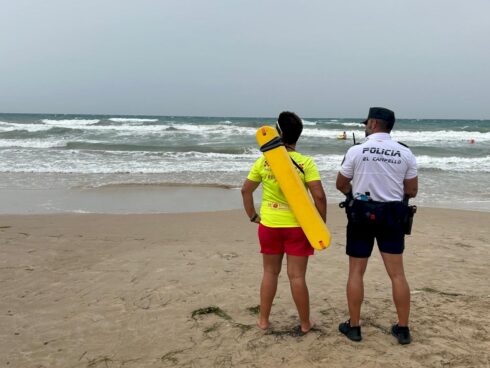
x=279, y=240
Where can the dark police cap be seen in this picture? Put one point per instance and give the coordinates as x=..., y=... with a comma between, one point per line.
x=381, y=113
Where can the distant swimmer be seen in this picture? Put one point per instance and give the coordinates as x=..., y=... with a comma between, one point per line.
x=472, y=141
x=342, y=136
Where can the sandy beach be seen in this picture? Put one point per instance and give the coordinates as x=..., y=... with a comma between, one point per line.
x=181, y=290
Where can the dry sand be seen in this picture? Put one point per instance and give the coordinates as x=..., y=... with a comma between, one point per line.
x=121, y=291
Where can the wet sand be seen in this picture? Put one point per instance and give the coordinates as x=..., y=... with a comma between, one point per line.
x=120, y=199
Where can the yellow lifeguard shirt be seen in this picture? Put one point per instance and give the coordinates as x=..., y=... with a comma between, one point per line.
x=275, y=211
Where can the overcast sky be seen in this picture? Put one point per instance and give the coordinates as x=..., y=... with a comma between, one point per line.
x=335, y=58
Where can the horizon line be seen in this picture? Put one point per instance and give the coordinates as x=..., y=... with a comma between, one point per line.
x=221, y=116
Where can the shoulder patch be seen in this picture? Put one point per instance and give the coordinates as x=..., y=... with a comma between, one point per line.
x=403, y=144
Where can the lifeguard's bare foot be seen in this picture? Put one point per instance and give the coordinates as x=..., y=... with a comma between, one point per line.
x=263, y=325
x=306, y=327
x=302, y=329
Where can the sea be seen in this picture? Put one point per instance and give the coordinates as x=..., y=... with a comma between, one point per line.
x=84, y=152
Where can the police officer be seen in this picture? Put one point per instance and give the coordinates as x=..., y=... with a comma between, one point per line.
x=376, y=176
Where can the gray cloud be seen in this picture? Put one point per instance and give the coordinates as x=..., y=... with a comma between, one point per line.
x=246, y=58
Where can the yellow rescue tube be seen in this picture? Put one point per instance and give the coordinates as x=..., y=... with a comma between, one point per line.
x=294, y=190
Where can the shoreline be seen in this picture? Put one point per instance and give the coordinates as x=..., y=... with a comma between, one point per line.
x=120, y=199
x=153, y=198
x=207, y=211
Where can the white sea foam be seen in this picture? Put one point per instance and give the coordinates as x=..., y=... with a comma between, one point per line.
x=453, y=163
x=6, y=128
x=9, y=127
x=423, y=138
x=442, y=136
x=31, y=143
x=320, y=133
x=224, y=129
x=359, y=125
x=68, y=122
x=76, y=161
x=134, y=129
x=132, y=120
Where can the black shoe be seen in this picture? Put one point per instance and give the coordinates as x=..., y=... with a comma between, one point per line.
x=402, y=334
x=352, y=333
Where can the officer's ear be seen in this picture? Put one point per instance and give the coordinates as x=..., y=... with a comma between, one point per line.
x=374, y=124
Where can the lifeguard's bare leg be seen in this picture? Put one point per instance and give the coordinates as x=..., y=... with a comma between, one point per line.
x=299, y=289
x=272, y=267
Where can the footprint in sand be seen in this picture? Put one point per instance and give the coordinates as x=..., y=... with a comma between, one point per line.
x=228, y=256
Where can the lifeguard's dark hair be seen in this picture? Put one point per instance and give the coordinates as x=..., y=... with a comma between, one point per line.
x=291, y=126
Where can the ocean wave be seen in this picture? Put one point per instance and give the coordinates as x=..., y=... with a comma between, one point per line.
x=164, y=149
x=335, y=123
x=132, y=120
x=360, y=125
x=92, y=162
x=8, y=127
x=454, y=163
x=320, y=133
x=136, y=184
x=118, y=164
x=450, y=164
x=229, y=139
x=31, y=143
x=39, y=135
x=441, y=136
x=214, y=128
x=134, y=129
x=70, y=122
x=198, y=130
x=21, y=159
x=409, y=137
x=236, y=132
x=216, y=157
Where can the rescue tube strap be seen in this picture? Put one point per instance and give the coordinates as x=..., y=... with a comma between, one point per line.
x=299, y=167
x=274, y=143
x=277, y=142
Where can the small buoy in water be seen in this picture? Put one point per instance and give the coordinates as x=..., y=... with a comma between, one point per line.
x=472, y=141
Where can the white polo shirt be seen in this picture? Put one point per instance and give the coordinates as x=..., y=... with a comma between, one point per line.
x=379, y=166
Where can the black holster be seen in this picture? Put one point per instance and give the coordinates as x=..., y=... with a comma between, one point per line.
x=372, y=213
x=408, y=219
